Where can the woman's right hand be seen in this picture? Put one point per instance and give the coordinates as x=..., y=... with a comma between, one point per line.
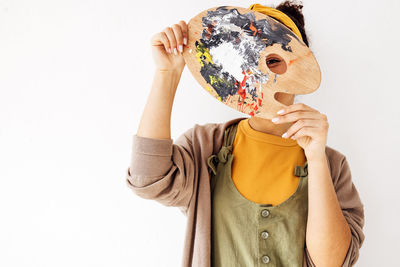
x=165, y=43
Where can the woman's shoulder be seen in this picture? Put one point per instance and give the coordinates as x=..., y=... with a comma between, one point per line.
x=338, y=164
x=213, y=129
x=333, y=153
x=207, y=135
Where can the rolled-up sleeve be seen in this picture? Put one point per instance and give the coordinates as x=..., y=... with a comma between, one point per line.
x=163, y=170
x=352, y=209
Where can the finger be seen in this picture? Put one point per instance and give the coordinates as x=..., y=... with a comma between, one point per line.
x=178, y=36
x=185, y=31
x=171, y=37
x=306, y=131
x=297, y=115
x=164, y=40
x=156, y=39
x=295, y=107
x=160, y=39
x=299, y=125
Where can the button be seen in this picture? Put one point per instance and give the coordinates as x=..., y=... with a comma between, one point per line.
x=265, y=259
x=265, y=213
x=264, y=234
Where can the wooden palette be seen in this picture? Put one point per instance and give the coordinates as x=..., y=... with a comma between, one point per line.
x=226, y=51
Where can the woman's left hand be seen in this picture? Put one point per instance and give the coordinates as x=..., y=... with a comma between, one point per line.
x=310, y=128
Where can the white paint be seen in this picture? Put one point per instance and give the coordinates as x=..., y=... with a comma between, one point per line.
x=232, y=57
x=229, y=58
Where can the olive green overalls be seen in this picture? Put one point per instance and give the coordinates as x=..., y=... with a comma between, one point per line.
x=246, y=233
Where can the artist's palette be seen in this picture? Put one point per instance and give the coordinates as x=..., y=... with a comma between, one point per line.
x=226, y=53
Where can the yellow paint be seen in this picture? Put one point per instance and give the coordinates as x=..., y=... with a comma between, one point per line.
x=202, y=51
x=215, y=79
x=209, y=89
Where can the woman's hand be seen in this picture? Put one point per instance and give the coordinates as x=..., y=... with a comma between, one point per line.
x=167, y=47
x=310, y=128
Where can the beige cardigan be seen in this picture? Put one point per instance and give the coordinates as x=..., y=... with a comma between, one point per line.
x=176, y=174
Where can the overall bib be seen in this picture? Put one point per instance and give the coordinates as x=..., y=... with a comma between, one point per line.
x=246, y=233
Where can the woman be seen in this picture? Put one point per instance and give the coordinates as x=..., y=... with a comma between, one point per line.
x=254, y=210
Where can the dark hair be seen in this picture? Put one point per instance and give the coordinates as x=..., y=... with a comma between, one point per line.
x=294, y=11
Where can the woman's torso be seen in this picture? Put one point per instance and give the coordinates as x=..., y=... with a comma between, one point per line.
x=247, y=230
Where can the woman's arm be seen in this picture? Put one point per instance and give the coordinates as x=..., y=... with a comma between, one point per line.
x=335, y=213
x=167, y=47
x=328, y=233
x=161, y=169
x=156, y=118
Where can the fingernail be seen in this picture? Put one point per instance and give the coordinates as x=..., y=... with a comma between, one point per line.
x=169, y=50
x=284, y=135
x=292, y=137
x=275, y=119
x=175, y=51
x=185, y=41
x=180, y=48
x=280, y=111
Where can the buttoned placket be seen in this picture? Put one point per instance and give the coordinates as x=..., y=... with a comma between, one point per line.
x=264, y=214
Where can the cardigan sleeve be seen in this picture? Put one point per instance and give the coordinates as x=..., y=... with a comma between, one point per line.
x=352, y=209
x=163, y=170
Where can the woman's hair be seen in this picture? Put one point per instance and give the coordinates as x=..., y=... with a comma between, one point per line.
x=294, y=11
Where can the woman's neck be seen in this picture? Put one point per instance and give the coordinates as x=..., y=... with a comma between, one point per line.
x=267, y=126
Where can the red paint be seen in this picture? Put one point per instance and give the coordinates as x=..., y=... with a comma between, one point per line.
x=242, y=96
x=254, y=29
x=244, y=79
x=242, y=90
x=294, y=60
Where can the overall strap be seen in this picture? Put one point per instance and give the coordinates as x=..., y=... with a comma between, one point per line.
x=226, y=149
x=301, y=171
x=230, y=133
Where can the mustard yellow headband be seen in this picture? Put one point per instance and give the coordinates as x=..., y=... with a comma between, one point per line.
x=275, y=13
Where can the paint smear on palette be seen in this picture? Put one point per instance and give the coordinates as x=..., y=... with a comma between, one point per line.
x=229, y=50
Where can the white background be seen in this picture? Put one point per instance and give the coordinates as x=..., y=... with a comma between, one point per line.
x=74, y=78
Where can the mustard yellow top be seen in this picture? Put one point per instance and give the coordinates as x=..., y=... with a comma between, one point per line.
x=263, y=165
